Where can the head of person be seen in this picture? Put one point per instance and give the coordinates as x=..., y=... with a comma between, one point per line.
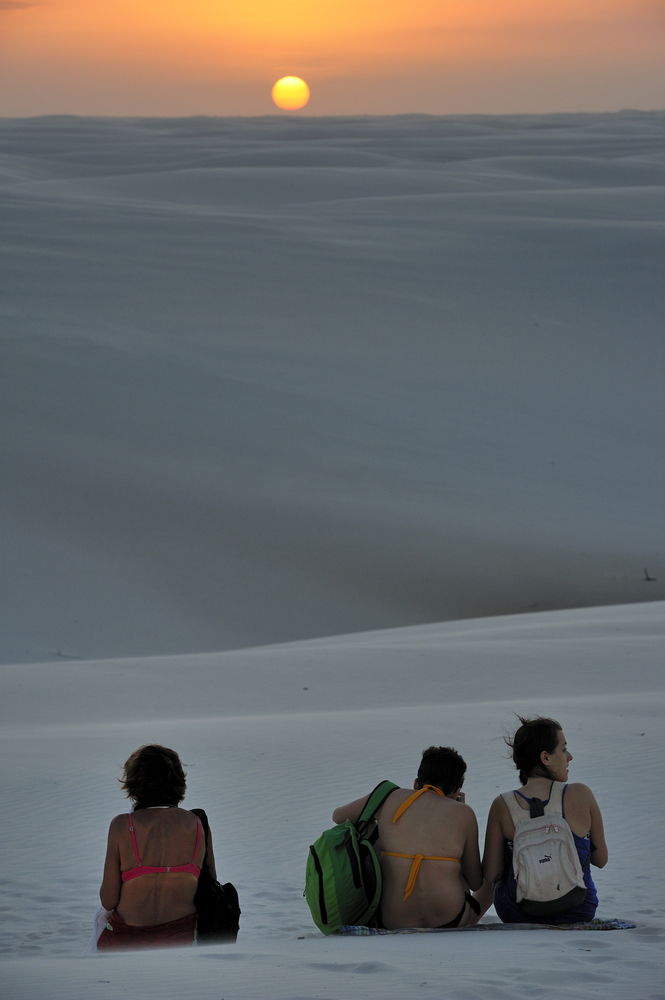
x=539, y=749
x=153, y=776
x=442, y=767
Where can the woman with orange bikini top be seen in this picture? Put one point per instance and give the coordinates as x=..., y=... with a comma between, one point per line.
x=427, y=845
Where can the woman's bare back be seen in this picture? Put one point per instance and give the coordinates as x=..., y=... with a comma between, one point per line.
x=436, y=827
x=164, y=837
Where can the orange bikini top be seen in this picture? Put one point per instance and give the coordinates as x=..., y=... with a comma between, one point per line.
x=416, y=858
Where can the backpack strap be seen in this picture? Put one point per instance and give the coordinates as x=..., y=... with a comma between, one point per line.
x=555, y=803
x=517, y=814
x=376, y=799
x=201, y=815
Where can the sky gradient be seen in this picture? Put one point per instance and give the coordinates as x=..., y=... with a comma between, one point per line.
x=221, y=57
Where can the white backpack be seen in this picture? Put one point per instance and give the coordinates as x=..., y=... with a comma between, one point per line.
x=546, y=864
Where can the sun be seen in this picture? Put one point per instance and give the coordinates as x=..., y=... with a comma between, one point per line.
x=290, y=93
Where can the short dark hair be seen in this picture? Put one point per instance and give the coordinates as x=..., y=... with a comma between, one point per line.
x=530, y=739
x=153, y=776
x=442, y=767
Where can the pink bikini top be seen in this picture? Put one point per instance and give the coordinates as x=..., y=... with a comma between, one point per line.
x=190, y=869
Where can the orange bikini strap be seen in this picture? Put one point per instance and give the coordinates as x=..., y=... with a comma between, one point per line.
x=412, y=798
x=413, y=875
x=415, y=867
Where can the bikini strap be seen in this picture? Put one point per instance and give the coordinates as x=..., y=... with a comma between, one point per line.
x=131, y=830
x=415, y=867
x=412, y=798
x=413, y=875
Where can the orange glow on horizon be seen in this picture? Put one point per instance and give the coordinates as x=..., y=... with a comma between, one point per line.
x=225, y=42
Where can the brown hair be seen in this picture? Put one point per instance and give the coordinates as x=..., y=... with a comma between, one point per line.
x=153, y=776
x=530, y=739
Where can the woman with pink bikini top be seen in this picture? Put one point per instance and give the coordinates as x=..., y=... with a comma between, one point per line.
x=153, y=859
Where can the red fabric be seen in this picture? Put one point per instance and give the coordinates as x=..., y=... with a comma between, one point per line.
x=175, y=934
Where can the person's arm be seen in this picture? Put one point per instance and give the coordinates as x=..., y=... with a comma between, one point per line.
x=351, y=811
x=492, y=859
x=599, y=852
x=484, y=897
x=470, y=860
x=493, y=853
x=109, y=892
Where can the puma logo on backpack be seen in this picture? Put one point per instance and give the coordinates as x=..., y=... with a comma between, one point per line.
x=546, y=864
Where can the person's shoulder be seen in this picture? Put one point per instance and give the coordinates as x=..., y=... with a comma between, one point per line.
x=465, y=810
x=579, y=791
x=392, y=801
x=119, y=822
x=499, y=811
x=190, y=817
x=460, y=812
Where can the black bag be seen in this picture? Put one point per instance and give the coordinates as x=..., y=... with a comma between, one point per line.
x=217, y=908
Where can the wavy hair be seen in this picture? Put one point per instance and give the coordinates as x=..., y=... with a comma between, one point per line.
x=153, y=776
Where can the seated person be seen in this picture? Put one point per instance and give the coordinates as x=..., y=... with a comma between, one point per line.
x=540, y=754
x=427, y=845
x=153, y=858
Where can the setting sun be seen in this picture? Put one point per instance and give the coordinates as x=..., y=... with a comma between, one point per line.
x=290, y=93
x=217, y=57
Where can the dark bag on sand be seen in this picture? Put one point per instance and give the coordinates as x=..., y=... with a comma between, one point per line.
x=217, y=908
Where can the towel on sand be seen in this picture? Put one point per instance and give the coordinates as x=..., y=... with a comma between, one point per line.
x=597, y=924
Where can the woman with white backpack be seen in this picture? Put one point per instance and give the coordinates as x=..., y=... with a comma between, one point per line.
x=542, y=838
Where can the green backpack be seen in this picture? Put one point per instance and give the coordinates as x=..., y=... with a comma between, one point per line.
x=343, y=876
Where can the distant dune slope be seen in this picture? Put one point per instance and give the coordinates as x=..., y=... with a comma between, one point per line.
x=270, y=379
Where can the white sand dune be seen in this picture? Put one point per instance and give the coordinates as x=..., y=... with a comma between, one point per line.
x=273, y=738
x=266, y=381
x=273, y=379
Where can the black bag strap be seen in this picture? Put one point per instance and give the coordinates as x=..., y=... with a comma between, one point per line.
x=201, y=813
x=375, y=800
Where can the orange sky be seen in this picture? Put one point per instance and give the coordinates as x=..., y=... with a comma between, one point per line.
x=359, y=56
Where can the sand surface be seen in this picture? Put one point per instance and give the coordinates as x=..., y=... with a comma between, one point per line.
x=274, y=379
x=312, y=725
x=300, y=418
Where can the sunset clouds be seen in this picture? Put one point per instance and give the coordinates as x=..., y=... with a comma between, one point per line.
x=221, y=56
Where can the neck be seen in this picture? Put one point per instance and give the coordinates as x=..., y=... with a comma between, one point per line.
x=539, y=779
